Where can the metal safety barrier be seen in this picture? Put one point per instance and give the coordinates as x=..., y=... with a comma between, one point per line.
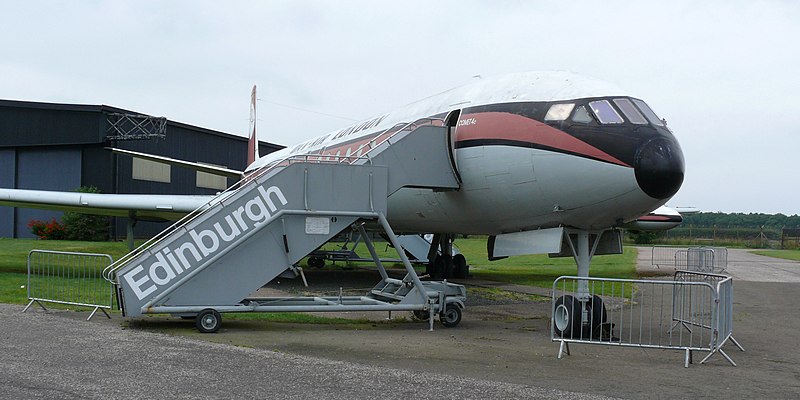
x=699, y=259
x=692, y=312
x=702, y=259
x=69, y=278
x=684, y=304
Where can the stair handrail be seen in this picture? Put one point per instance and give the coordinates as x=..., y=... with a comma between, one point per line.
x=403, y=127
x=318, y=157
x=108, y=272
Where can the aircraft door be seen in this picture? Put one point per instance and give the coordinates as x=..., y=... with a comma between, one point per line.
x=451, y=122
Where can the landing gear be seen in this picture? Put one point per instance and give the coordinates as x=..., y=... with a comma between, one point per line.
x=568, y=320
x=597, y=311
x=445, y=265
x=567, y=317
x=584, y=316
x=436, y=268
x=208, y=321
x=460, y=267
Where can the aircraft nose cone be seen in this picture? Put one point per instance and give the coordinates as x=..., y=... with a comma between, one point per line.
x=659, y=168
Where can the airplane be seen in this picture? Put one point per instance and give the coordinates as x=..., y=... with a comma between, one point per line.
x=548, y=162
x=661, y=219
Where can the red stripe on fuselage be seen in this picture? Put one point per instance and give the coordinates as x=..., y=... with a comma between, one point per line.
x=661, y=218
x=513, y=127
x=656, y=218
x=348, y=151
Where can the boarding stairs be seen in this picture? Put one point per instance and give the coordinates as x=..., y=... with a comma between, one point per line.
x=258, y=229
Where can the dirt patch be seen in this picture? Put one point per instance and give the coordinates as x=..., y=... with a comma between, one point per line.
x=506, y=337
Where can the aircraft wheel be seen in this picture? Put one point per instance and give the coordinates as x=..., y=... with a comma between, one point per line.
x=448, y=267
x=598, y=312
x=460, y=267
x=316, y=262
x=451, y=315
x=438, y=268
x=208, y=321
x=421, y=315
x=600, y=328
x=430, y=267
x=567, y=317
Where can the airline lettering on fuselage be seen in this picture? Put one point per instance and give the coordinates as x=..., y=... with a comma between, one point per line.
x=353, y=129
x=359, y=127
x=467, y=121
x=204, y=244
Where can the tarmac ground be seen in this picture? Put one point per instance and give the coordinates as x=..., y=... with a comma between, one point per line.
x=501, y=349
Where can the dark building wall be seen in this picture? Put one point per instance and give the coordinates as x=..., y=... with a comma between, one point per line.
x=23, y=124
x=50, y=168
x=62, y=147
x=97, y=168
x=185, y=143
x=8, y=163
x=182, y=144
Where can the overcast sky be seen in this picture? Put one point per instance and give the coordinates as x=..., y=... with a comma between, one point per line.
x=725, y=74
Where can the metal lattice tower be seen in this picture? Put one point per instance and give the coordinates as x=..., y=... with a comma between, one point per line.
x=135, y=127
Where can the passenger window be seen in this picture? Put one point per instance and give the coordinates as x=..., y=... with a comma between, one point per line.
x=582, y=116
x=648, y=112
x=559, y=112
x=605, y=112
x=630, y=111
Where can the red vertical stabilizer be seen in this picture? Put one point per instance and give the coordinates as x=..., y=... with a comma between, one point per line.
x=252, y=143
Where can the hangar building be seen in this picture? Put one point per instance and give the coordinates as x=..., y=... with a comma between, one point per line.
x=49, y=146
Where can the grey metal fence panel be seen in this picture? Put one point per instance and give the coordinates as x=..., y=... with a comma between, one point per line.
x=681, y=259
x=703, y=258
x=724, y=319
x=69, y=278
x=700, y=259
x=720, y=259
x=685, y=305
x=661, y=256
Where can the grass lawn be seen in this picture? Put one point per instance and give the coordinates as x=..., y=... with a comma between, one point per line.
x=14, y=278
x=13, y=288
x=541, y=270
x=14, y=252
x=793, y=255
x=535, y=270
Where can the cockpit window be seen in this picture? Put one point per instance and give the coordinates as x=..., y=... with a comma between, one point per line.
x=648, y=112
x=582, y=116
x=559, y=112
x=605, y=112
x=630, y=111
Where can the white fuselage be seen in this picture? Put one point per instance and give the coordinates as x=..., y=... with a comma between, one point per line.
x=505, y=188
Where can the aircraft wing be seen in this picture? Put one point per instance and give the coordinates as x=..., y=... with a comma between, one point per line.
x=143, y=206
x=211, y=169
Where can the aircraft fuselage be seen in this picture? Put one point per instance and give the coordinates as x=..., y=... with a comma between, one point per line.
x=533, y=150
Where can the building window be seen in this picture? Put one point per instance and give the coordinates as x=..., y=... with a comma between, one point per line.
x=153, y=171
x=211, y=181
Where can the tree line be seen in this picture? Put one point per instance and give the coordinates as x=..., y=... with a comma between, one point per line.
x=742, y=229
x=741, y=220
